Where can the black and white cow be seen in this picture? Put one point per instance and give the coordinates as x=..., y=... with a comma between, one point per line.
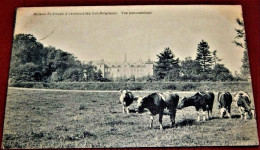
x=225, y=100
x=126, y=99
x=243, y=102
x=156, y=103
x=202, y=101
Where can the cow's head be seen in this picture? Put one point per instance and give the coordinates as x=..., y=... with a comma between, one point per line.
x=141, y=104
x=185, y=102
x=125, y=93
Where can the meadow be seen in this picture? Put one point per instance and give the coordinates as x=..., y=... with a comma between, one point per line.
x=80, y=119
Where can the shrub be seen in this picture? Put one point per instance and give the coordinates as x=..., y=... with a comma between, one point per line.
x=38, y=85
x=182, y=86
x=135, y=87
x=171, y=86
x=188, y=87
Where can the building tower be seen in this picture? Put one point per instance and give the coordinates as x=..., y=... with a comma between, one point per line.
x=125, y=60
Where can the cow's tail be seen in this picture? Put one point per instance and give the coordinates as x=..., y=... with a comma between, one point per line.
x=219, y=93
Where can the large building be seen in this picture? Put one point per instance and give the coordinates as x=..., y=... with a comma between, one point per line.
x=125, y=69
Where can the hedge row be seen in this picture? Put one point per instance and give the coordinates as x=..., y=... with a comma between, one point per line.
x=159, y=86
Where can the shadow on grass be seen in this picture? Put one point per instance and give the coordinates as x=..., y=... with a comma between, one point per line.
x=186, y=122
x=235, y=116
x=135, y=111
x=87, y=134
x=213, y=118
x=130, y=111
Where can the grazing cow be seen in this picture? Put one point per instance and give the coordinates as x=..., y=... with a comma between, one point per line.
x=126, y=99
x=243, y=102
x=156, y=103
x=225, y=100
x=201, y=101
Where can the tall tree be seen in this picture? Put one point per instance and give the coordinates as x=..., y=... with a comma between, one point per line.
x=204, y=56
x=26, y=49
x=215, y=58
x=30, y=61
x=26, y=54
x=222, y=73
x=89, y=72
x=165, y=64
x=190, y=67
x=240, y=41
x=98, y=75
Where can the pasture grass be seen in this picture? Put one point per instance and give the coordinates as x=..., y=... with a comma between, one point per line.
x=51, y=119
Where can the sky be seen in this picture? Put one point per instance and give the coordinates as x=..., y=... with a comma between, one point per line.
x=110, y=32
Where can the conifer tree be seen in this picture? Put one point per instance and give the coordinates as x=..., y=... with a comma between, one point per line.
x=215, y=58
x=240, y=41
x=204, y=56
x=166, y=63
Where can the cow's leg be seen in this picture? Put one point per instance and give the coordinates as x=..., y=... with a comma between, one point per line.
x=222, y=110
x=208, y=115
x=198, y=113
x=160, y=120
x=151, y=118
x=252, y=114
x=127, y=110
x=209, y=111
x=204, y=115
x=172, y=116
x=228, y=112
x=211, y=116
x=241, y=112
x=123, y=108
x=245, y=115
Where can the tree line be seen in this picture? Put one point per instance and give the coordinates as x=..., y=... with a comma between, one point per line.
x=31, y=61
x=205, y=67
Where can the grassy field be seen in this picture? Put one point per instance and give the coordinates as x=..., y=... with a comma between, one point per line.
x=55, y=119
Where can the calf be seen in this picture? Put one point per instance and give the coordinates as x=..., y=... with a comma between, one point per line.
x=243, y=102
x=225, y=100
x=201, y=101
x=126, y=99
x=156, y=103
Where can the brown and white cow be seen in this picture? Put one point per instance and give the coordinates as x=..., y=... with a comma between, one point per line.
x=225, y=100
x=156, y=103
x=126, y=99
x=243, y=102
x=202, y=101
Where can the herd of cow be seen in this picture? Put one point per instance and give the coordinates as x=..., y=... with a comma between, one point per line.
x=203, y=102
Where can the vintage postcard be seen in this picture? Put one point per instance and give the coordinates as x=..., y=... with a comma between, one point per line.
x=129, y=76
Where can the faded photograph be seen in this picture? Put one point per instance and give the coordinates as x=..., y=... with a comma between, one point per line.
x=129, y=76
